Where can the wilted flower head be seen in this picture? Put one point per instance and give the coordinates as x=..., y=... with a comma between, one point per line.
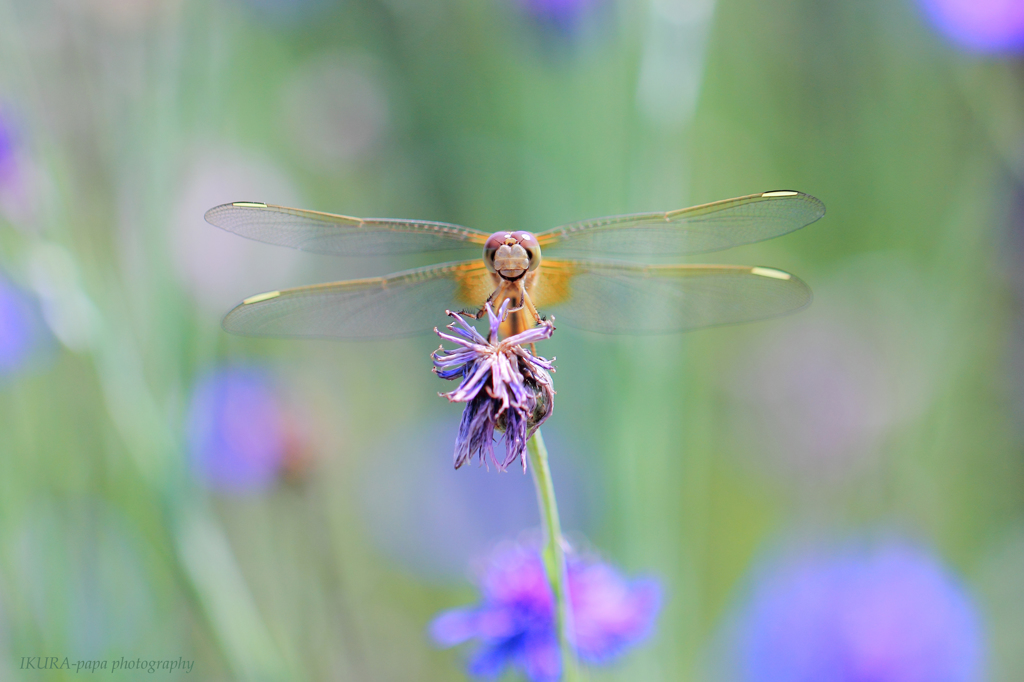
x=236, y=430
x=892, y=615
x=505, y=387
x=516, y=625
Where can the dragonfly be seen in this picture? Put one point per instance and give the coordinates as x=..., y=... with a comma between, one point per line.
x=589, y=277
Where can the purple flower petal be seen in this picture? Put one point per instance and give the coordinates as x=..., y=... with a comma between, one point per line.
x=612, y=613
x=515, y=624
x=454, y=627
x=542, y=661
x=489, y=661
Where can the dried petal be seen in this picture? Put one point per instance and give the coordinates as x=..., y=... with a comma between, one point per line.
x=505, y=387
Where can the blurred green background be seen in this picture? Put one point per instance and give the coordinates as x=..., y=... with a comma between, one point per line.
x=895, y=404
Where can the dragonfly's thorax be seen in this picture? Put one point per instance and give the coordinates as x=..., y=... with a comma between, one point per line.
x=511, y=254
x=522, y=314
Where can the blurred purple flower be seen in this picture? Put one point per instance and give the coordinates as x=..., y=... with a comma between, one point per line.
x=562, y=15
x=987, y=26
x=236, y=430
x=6, y=149
x=21, y=331
x=891, y=615
x=505, y=387
x=515, y=624
x=13, y=187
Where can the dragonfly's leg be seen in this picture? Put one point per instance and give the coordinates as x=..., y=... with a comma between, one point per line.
x=532, y=309
x=523, y=298
x=483, y=309
x=528, y=302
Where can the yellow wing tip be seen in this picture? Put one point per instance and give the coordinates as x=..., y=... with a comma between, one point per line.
x=261, y=297
x=771, y=272
x=249, y=204
x=780, y=193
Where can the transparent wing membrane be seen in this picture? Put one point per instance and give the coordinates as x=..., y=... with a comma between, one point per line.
x=611, y=296
x=623, y=298
x=700, y=229
x=339, y=235
x=381, y=307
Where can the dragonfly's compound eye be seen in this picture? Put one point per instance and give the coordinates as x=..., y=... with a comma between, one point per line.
x=491, y=248
x=532, y=246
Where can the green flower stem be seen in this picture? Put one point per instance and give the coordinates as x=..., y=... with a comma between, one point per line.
x=554, y=553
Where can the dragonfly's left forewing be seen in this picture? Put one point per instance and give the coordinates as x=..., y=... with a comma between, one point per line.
x=624, y=298
x=377, y=308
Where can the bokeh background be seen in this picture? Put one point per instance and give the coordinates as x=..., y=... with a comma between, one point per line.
x=287, y=510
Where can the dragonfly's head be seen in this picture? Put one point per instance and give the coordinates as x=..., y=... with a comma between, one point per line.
x=512, y=254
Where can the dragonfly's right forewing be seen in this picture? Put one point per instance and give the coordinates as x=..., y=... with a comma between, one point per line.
x=340, y=235
x=377, y=308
